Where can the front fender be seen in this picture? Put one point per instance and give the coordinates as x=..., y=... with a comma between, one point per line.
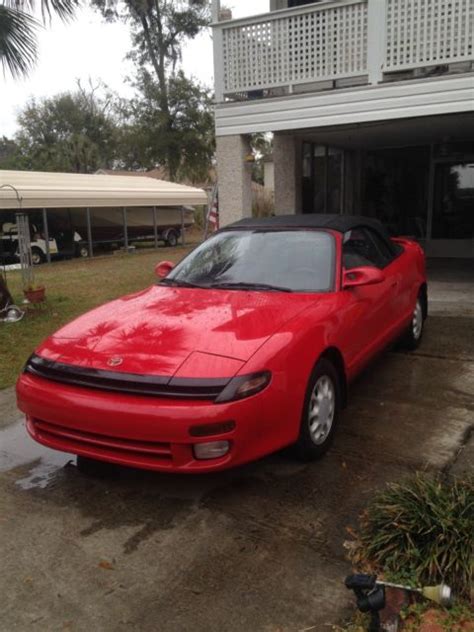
x=291, y=354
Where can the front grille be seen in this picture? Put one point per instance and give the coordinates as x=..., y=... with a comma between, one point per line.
x=72, y=440
x=131, y=383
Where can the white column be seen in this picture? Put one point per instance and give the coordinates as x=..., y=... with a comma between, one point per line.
x=216, y=8
x=288, y=182
x=234, y=178
x=90, y=245
x=377, y=38
x=46, y=235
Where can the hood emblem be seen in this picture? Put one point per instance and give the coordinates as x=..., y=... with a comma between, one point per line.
x=115, y=361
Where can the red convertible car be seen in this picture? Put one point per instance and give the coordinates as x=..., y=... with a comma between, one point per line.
x=245, y=347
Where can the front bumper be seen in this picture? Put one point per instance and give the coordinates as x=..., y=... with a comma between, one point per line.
x=146, y=432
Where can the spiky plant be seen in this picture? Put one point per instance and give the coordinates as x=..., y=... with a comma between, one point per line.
x=424, y=529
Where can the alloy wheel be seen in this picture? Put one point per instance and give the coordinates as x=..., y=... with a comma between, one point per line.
x=417, y=322
x=322, y=408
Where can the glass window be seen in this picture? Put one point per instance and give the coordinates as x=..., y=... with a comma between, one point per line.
x=385, y=252
x=334, y=184
x=453, y=216
x=360, y=250
x=322, y=179
x=300, y=3
x=298, y=260
x=307, y=177
x=319, y=179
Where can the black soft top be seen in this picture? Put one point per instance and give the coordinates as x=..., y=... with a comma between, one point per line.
x=339, y=223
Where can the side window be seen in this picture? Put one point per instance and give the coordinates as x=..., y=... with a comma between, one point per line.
x=360, y=250
x=382, y=246
x=386, y=255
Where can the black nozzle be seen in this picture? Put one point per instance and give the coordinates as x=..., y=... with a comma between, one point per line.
x=361, y=582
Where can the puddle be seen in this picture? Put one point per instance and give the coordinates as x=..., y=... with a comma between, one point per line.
x=18, y=449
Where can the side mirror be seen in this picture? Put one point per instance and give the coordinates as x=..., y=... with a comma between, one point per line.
x=163, y=269
x=358, y=277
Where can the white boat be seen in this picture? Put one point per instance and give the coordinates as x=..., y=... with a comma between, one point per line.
x=108, y=225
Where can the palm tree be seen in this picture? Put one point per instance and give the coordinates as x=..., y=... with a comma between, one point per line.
x=18, y=27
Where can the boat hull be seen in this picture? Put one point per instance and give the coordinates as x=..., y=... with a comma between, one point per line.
x=107, y=224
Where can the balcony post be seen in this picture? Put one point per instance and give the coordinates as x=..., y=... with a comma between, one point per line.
x=377, y=34
x=234, y=178
x=287, y=161
x=218, y=44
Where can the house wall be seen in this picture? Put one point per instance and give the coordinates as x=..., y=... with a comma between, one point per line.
x=275, y=5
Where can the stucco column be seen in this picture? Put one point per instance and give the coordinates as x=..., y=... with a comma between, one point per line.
x=287, y=157
x=235, y=178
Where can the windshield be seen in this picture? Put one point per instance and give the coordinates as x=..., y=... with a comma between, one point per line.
x=287, y=260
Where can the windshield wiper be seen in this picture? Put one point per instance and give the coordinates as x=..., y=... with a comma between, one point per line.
x=249, y=286
x=176, y=283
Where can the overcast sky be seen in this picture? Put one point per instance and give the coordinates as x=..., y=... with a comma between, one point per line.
x=89, y=48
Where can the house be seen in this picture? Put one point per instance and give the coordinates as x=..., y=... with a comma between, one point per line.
x=371, y=103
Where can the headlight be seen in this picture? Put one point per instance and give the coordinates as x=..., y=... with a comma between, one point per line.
x=244, y=386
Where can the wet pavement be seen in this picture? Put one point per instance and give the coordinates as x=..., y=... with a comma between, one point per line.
x=256, y=549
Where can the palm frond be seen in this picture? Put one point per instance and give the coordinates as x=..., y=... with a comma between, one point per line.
x=64, y=9
x=18, y=47
x=27, y=6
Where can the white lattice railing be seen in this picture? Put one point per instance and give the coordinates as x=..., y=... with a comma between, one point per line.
x=297, y=46
x=337, y=39
x=428, y=32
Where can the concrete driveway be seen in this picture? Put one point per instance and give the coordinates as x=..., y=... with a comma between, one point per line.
x=257, y=549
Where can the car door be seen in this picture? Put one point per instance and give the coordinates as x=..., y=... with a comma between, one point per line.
x=372, y=317
x=395, y=267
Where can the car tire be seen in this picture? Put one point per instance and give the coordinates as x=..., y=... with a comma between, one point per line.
x=37, y=256
x=411, y=340
x=94, y=468
x=172, y=239
x=83, y=252
x=321, y=410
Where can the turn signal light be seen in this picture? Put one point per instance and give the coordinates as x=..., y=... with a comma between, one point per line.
x=244, y=386
x=213, y=450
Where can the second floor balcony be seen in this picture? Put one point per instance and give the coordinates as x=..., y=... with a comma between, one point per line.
x=340, y=43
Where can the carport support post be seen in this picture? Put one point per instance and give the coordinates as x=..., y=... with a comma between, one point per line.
x=183, y=238
x=89, y=232
x=125, y=229
x=46, y=235
x=155, y=228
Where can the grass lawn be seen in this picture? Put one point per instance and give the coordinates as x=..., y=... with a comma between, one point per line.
x=72, y=288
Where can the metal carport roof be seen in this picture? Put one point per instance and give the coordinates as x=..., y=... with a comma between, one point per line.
x=40, y=190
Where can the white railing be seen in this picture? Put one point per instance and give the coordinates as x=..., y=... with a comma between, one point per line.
x=428, y=32
x=339, y=39
x=273, y=51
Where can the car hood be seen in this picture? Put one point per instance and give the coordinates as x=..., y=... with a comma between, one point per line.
x=175, y=331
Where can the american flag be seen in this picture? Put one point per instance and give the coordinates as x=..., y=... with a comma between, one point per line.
x=213, y=215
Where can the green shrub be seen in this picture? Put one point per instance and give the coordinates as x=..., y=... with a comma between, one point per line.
x=421, y=529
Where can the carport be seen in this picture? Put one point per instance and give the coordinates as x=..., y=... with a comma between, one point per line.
x=24, y=191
